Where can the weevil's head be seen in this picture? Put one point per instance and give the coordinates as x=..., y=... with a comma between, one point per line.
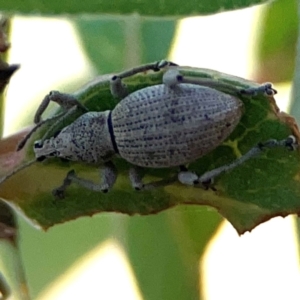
x=86, y=140
x=56, y=146
x=60, y=145
x=44, y=149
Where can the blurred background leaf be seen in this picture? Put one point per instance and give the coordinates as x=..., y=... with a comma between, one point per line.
x=276, y=45
x=113, y=43
x=12, y=279
x=150, y=8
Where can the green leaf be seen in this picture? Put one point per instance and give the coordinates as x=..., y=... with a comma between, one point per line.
x=277, y=42
x=261, y=188
x=114, y=42
x=147, y=8
x=168, y=247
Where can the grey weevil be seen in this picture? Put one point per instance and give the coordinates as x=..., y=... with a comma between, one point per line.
x=167, y=125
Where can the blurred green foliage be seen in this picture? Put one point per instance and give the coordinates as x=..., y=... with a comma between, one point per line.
x=276, y=47
x=123, y=7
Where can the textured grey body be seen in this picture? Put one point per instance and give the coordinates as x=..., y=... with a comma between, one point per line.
x=86, y=140
x=156, y=127
x=161, y=127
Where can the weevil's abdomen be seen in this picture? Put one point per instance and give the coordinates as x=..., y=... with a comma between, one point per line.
x=160, y=127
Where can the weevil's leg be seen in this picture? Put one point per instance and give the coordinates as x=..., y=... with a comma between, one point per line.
x=60, y=191
x=187, y=177
x=172, y=78
x=156, y=66
x=119, y=90
x=263, y=89
x=108, y=175
x=43, y=106
x=66, y=101
x=289, y=143
x=135, y=178
x=61, y=117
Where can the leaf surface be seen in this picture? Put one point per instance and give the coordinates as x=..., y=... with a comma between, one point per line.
x=261, y=188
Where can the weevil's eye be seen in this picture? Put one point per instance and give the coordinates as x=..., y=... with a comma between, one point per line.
x=38, y=145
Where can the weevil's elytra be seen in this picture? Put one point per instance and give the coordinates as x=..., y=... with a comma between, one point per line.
x=159, y=127
x=166, y=125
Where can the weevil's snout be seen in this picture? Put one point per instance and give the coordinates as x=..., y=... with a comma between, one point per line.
x=44, y=149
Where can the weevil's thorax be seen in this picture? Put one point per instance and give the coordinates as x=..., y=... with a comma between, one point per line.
x=86, y=140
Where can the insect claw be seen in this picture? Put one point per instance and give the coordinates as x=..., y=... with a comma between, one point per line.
x=291, y=143
x=207, y=184
x=269, y=90
x=58, y=193
x=265, y=89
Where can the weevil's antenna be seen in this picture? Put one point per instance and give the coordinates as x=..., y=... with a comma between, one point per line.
x=23, y=142
x=56, y=119
x=34, y=129
x=20, y=168
x=59, y=118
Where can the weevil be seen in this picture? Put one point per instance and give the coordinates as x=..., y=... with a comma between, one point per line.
x=167, y=125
